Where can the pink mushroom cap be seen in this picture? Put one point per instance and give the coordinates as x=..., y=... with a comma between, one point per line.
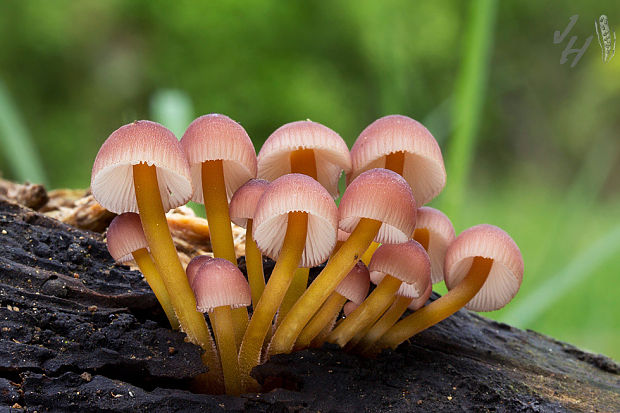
x=217, y=137
x=441, y=235
x=506, y=274
x=193, y=265
x=124, y=236
x=408, y=262
x=243, y=202
x=296, y=193
x=219, y=283
x=331, y=153
x=384, y=196
x=147, y=142
x=423, y=167
x=356, y=284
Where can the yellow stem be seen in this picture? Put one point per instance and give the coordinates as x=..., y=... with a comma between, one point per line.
x=331, y=308
x=260, y=323
x=295, y=290
x=320, y=339
x=167, y=263
x=303, y=162
x=388, y=319
x=218, y=217
x=369, y=252
x=151, y=275
x=254, y=265
x=222, y=322
x=367, y=313
x=395, y=162
x=423, y=236
x=336, y=269
x=362, y=333
x=439, y=309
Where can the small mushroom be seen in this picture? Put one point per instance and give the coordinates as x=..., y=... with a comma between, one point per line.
x=219, y=287
x=434, y=230
x=391, y=266
x=126, y=241
x=483, y=272
x=378, y=205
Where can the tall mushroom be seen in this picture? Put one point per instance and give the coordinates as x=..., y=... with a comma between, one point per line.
x=221, y=157
x=483, y=272
x=308, y=148
x=295, y=223
x=378, y=205
x=219, y=287
x=390, y=266
x=126, y=240
x=141, y=167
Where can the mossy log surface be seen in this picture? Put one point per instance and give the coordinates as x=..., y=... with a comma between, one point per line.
x=79, y=333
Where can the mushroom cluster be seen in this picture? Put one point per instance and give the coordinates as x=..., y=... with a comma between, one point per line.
x=285, y=198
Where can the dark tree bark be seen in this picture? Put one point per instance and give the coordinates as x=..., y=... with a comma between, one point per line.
x=80, y=333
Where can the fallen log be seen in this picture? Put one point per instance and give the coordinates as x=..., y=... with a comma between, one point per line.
x=79, y=333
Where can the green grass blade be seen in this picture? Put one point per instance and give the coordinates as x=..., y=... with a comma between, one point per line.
x=468, y=98
x=16, y=144
x=556, y=286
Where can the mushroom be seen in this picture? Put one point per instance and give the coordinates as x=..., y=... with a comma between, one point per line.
x=405, y=146
x=295, y=223
x=308, y=148
x=378, y=205
x=483, y=272
x=390, y=266
x=141, y=167
x=354, y=287
x=219, y=287
x=125, y=240
x=221, y=158
x=434, y=230
x=242, y=210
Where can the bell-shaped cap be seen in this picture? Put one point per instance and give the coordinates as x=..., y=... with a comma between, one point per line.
x=193, y=265
x=243, y=203
x=384, y=196
x=356, y=284
x=217, y=137
x=408, y=262
x=331, y=153
x=506, y=274
x=296, y=193
x=440, y=236
x=124, y=236
x=147, y=142
x=219, y=283
x=423, y=165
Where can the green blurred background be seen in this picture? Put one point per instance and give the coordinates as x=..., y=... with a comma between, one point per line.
x=530, y=145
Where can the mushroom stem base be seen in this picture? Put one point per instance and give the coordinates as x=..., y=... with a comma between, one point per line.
x=439, y=309
x=222, y=322
x=388, y=319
